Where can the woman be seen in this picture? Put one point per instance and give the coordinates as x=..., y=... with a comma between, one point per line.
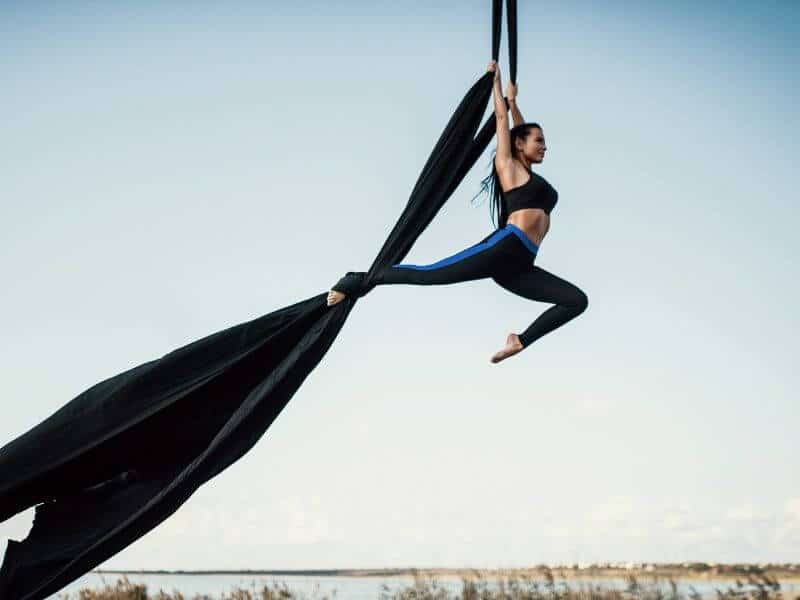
x=523, y=201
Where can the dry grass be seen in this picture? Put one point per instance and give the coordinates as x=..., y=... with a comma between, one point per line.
x=755, y=587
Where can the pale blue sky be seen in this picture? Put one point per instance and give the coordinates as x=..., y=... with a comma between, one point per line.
x=171, y=169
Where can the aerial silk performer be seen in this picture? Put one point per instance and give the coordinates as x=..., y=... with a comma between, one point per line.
x=523, y=201
x=124, y=455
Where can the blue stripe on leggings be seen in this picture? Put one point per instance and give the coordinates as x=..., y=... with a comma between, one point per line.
x=525, y=239
x=495, y=237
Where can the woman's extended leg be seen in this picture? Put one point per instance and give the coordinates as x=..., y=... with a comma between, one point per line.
x=479, y=261
x=537, y=284
x=502, y=250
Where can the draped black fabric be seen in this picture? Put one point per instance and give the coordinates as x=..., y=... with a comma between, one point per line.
x=89, y=468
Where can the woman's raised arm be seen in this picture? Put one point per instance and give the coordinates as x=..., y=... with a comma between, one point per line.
x=511, y=94
x=503, y=157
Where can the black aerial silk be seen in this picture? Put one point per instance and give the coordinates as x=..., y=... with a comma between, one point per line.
x=124, y=455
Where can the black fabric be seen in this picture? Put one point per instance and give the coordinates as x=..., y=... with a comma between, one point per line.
x=92, y=469
x=512, y=39
x=351, y=283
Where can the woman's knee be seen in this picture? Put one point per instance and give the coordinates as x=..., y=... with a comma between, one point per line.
x=579, y=301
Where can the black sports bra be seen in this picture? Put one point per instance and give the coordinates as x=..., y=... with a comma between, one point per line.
x=534, y=193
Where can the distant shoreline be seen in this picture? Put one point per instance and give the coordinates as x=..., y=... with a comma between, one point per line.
x=701, y=572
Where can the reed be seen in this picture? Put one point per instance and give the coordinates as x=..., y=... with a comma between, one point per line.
x=474, y=587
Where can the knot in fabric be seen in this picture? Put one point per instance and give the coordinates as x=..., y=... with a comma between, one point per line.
x=352, y=284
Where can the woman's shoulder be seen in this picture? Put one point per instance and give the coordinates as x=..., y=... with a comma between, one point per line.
x=513, y=175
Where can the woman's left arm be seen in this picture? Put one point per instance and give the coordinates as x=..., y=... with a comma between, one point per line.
x=511, y=94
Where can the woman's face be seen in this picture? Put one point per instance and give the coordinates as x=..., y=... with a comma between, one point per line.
x=533, y=146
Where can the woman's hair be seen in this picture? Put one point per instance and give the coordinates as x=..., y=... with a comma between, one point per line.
x=491, y=183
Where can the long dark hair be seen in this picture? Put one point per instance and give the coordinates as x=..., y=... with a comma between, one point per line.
x=491, y=183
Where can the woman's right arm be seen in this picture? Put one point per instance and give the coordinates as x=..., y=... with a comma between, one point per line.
x=503, y=157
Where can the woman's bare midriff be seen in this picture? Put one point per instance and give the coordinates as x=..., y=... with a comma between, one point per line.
x=533, y=221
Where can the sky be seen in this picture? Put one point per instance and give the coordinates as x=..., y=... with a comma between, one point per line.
x=170, y=169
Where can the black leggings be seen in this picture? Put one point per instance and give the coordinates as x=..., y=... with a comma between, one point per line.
x=506, y=255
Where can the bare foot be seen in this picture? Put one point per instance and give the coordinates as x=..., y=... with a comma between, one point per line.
x=513, y=345
x=335, y=297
